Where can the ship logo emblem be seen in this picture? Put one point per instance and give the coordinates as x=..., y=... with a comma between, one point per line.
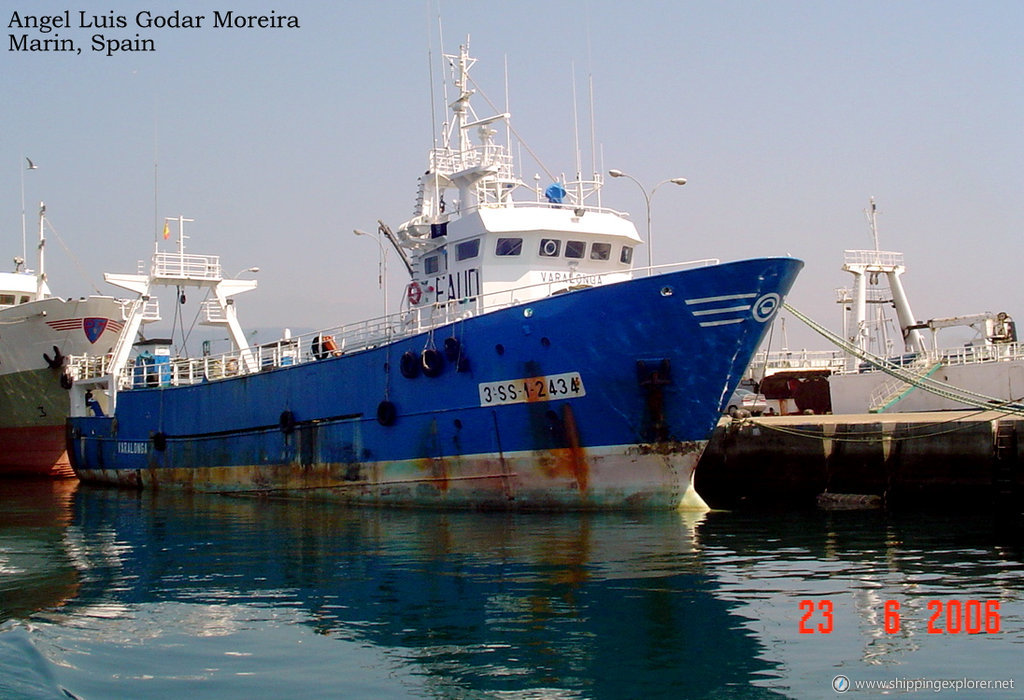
x=730, y=309
x=766, y=306
x=94, y=328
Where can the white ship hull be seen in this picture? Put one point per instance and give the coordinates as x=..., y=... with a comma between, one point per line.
x=1003, y=380
x=34, y=401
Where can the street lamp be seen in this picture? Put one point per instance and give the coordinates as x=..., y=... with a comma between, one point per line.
x=24, y=245
x=647, y=199
x=248, y=269
x=382, y=267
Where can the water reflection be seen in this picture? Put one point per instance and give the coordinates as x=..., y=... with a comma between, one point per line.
x=605, y=605
x=206, y=594
x=36, y=570
x=859, y=561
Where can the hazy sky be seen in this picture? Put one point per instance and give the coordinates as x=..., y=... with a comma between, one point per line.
x=784, y=116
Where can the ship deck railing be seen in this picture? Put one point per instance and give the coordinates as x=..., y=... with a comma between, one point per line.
x=187, y=266
x=449, y=161
x=838, y=362
x=872, y=295
x=530, y=204
x=873, y=258
x=974, y=354
x=327, y=343
x=497, y=190
x=767, y=363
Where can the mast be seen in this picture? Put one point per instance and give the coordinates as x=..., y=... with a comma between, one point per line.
x=873, y=220
x=460, y=105
x=41, y=288
x=179, y=270
x=866, y=266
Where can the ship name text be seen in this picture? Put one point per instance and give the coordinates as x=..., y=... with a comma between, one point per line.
x=457, y=285
x=572, y=278
x=125, y=447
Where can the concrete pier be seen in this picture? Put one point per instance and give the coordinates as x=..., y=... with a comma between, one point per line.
x=964, y=459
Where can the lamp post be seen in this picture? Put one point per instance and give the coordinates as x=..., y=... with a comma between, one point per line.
x=24, y=244
x=647, y=200
x=382, y=267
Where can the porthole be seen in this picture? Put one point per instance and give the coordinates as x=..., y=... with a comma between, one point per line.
x=549, y=248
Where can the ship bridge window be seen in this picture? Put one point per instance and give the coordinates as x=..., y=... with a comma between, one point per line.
x=508, y=246
x=627, y=255
x=575, y=249
x=24, y=299
x=6, y=299
x=600, y=251
x=549, y=247
x=467, y=249
x=431, y=264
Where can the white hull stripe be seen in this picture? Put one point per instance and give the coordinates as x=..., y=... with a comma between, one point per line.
x=728, y=297
x=729, y=322
x=732, y=308
x=72, y=324
x=726, y=310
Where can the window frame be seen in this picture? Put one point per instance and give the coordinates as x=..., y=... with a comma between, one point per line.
x=514, y=251
x=572, y=245
x=464, y=245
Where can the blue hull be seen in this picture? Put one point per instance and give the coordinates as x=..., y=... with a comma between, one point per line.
x=599, y=398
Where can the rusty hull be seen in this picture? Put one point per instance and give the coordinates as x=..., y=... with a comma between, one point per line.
x=632, y=477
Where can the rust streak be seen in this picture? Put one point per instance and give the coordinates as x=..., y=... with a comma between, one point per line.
x=439, y=463
x=364, y=484
x=505, y=485
x=577, y=456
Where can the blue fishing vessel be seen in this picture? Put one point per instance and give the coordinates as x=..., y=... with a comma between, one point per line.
x=530, y=365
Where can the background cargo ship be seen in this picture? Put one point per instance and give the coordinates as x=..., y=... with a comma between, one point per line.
x=887, y=360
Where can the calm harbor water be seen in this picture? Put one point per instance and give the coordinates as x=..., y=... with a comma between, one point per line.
x=119, y=594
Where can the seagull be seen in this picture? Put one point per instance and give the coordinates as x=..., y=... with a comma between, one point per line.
x=31, y=165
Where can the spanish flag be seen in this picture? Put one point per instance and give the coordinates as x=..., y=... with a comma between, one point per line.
x=167, y=231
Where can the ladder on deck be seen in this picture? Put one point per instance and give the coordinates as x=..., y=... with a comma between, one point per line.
x=894, y=390
x=1005, y=466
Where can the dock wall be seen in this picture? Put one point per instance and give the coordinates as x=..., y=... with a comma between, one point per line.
x=969, y=459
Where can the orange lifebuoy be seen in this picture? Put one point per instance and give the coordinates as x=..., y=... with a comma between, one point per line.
x=414, y=292
x=324, y=346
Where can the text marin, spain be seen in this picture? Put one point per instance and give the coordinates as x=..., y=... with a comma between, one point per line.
x=51, y=39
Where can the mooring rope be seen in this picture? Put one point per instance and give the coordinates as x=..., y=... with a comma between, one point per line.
x=933, y=386
x=931, y=430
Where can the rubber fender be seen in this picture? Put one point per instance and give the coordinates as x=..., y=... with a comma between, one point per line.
x=287, y=422
x=433, y=362
x=159, y=442
x=66, y=381
x=386, y=413
x=409, y=365
x=452, y=346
